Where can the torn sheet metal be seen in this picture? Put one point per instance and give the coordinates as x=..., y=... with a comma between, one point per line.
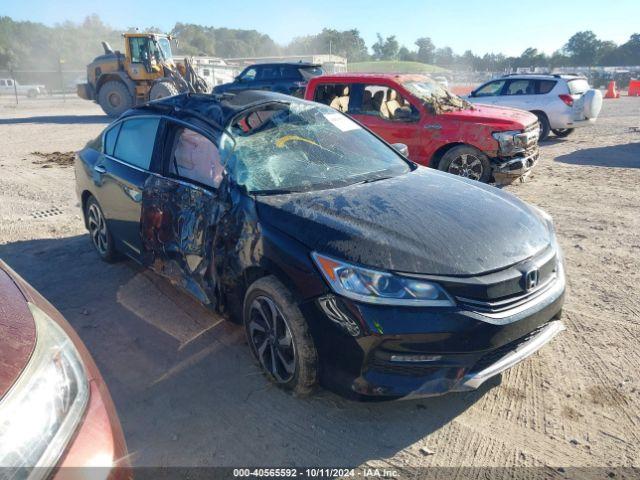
x=178, y=221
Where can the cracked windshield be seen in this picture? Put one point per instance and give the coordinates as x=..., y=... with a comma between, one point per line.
x=301, y=147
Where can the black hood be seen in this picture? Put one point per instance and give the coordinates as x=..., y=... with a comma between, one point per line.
x=422, y=222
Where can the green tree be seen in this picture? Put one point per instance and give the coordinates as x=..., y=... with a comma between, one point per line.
x=386, y=49
x=426, y=50
x=444, y=57
x=583, y=48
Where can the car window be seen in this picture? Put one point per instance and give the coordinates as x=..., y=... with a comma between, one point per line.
x=310, y=72
x=578, y=86
x=195, y=157
x=2, y=83
x=290, y=73
x=136, y=140
x=491, y=89
x=270, y=73
x=302, y=147
x=249, y=75
x=336, y=95
x=545, y=86
x=520, y=87
x=385, y=102
x=110, y=139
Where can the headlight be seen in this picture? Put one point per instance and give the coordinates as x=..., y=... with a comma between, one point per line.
x=372, y=286
x=41, y=411
x=510, y=142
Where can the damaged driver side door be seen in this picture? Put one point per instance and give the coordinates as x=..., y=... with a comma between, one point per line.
x=180, y=210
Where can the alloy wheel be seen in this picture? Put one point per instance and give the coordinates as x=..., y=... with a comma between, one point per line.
x=98, y=229
x=271, y=339
x=468, y=166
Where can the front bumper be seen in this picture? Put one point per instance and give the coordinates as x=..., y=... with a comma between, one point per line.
x=506, y=170
x=383, y=352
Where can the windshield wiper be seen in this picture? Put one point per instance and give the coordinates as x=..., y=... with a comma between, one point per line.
x=375, y=179
x=274, y=191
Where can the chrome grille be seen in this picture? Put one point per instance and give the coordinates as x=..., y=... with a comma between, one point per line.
x=507, y=303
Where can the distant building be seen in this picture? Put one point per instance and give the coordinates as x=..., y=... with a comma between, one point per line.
x=330, y=63
x=213, y=69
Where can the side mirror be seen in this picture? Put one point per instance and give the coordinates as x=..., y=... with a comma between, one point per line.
x=472, y=93
x=238, y=79
x=401, y=148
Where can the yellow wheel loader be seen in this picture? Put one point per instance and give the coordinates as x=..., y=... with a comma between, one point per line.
x=146, y=71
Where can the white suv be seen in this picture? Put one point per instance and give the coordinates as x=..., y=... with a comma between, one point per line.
x=561, y=102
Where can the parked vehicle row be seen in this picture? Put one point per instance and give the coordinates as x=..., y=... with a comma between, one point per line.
x=348, y=264
x=314, y=224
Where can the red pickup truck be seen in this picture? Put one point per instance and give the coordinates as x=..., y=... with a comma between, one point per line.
x=440, y=129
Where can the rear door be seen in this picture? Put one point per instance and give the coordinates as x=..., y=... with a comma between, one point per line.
x=180, y=209
x=519, y=93
x=129, y=157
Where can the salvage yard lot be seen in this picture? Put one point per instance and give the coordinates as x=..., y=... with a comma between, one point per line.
x=188, y=392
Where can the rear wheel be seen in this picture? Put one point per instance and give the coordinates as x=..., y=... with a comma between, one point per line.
x=468, y=162
x=562, y=132
x=99, y=231
x=114, y=98
x=162, y=90
x=544, y=126
x=279, y=336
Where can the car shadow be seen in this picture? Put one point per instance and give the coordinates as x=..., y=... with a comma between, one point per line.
x=185, y=386
x=58, y=119
x=622, y=156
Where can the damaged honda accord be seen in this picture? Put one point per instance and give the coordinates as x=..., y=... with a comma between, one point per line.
x=347, y=264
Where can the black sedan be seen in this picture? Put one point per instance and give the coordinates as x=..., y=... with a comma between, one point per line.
x=348, y=264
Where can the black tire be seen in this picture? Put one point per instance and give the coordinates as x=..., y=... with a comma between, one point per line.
x=99, y=233
x=466, y=161
x=162, y=90
x=114, y=98
x=545, y=127
x=290, y=351
x=562, y=132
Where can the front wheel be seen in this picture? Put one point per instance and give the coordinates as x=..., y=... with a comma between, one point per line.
x=562, y=132
x=279, y=336
x=467, y=162
x=162, y=89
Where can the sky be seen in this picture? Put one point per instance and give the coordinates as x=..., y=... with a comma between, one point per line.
x=478, y=25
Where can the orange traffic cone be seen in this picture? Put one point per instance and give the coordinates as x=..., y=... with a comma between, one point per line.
x=612, y=90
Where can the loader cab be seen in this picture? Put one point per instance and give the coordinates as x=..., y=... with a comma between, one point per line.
x=145, y=54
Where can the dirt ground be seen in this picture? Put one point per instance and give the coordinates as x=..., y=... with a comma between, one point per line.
x=188, y=392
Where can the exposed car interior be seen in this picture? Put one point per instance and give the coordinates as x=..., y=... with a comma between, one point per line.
x=376, y=100
x=196, y=158
x=341, y=102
